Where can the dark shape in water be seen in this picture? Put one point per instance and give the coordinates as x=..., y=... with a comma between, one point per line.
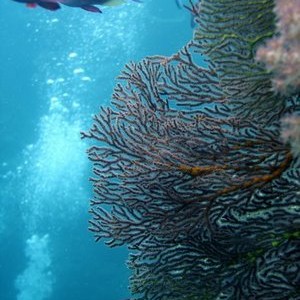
x=88, y=5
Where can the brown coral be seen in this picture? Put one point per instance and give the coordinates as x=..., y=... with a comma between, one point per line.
x=190, y=172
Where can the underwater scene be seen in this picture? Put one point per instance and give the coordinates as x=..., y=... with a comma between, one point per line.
x=149, y=150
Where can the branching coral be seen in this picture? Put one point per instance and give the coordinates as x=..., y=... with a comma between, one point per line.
x=229, y=34
x=190, y=171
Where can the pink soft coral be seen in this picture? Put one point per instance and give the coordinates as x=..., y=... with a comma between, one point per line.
x=291, y=132
x=282, y=53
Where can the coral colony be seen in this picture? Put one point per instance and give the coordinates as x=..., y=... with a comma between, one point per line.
x=193, y=165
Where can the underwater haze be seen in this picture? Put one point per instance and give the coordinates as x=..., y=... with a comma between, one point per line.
x=57, y=69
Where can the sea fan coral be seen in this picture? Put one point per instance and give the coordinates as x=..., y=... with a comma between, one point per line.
x=191, y=173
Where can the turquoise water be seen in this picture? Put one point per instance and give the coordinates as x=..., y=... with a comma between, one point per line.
x=56, y=69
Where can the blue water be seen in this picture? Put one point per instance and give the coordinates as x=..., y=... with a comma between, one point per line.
x=56, y=70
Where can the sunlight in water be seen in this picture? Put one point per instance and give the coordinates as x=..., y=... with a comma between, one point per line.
x=73, y=69
x=56, y=163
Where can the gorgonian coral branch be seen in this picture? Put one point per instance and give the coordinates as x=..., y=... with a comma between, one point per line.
x=229, y=33
x=204, y=196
